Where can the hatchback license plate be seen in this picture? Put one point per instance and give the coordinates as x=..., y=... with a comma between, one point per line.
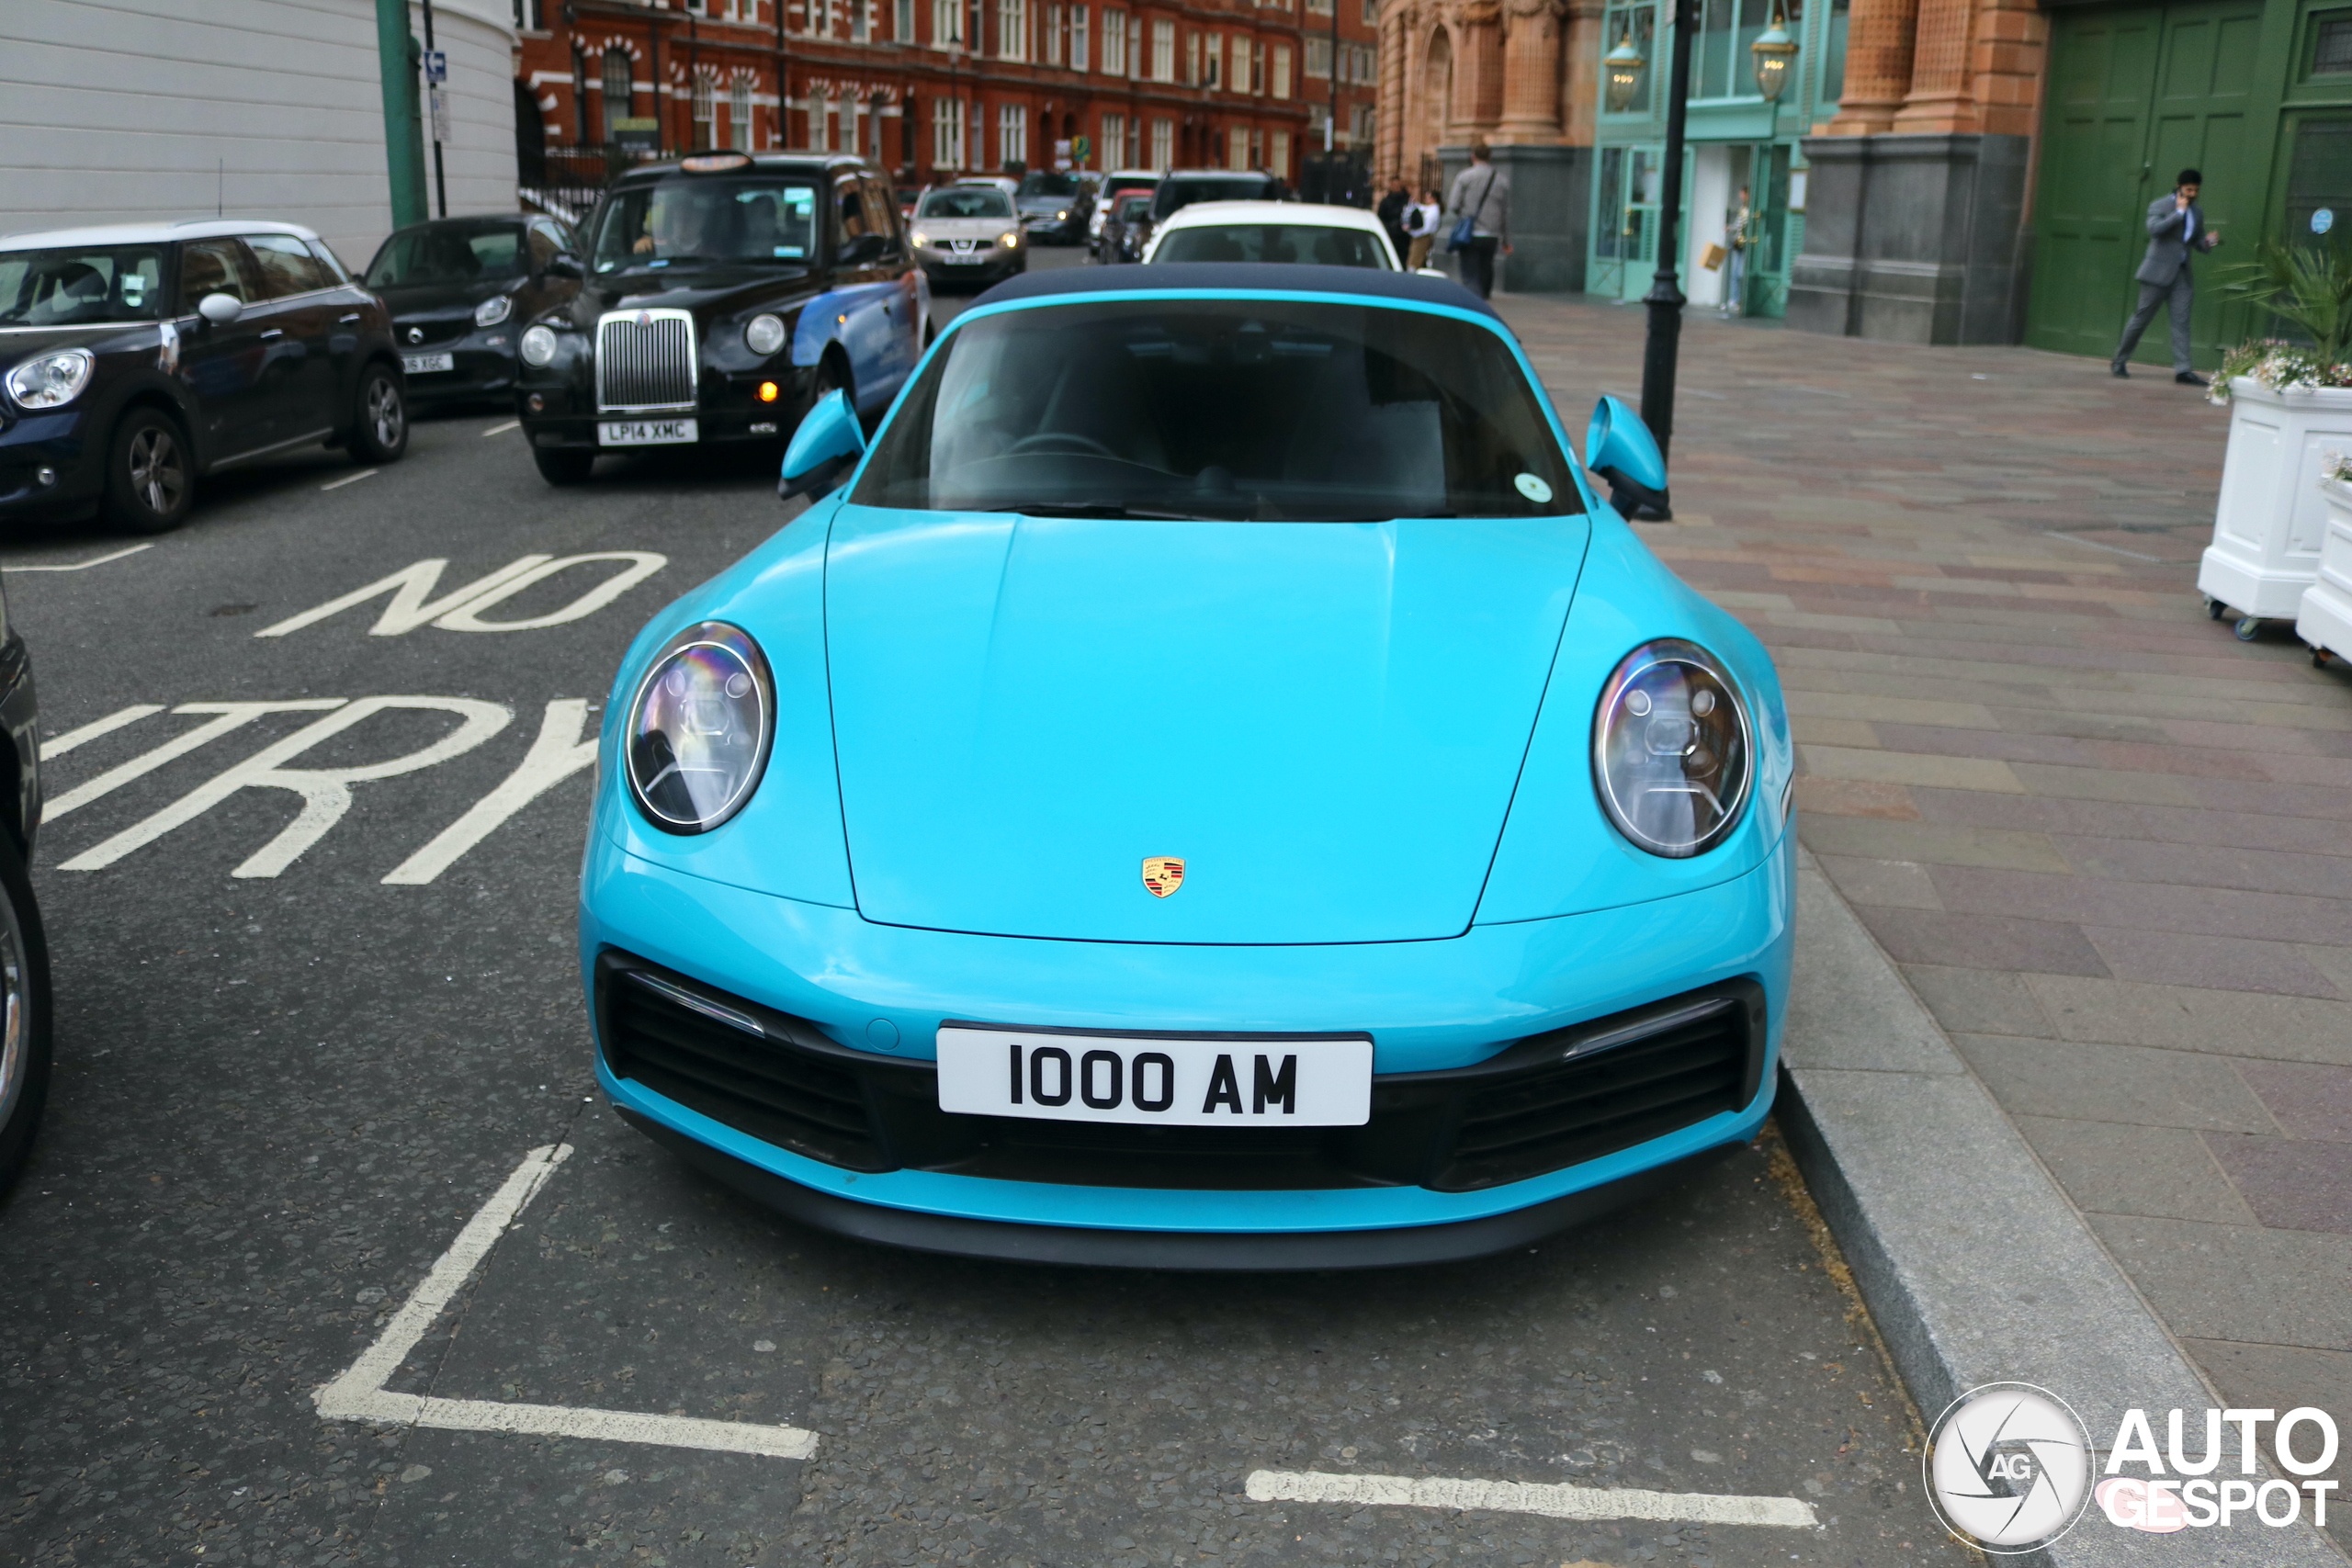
x=966, y=258
x=646, y=432
x=1146, y=1081
x=425, y=363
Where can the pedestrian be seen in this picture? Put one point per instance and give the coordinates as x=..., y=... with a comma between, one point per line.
x=2175, y=231
x=1477, y=219
x=1736, y=270
x=1420, y=221
x=1391, y=213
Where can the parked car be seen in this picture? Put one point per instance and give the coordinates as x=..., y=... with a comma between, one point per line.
x=459, y=290
x=1287, y=231
x=961, y=870
x=1127, y=231
x=1181, y=187
x=136, y=358
x=726, y=293
x=1055, y=207
x=968, y=233
x=23, y=949
x=1115, y=184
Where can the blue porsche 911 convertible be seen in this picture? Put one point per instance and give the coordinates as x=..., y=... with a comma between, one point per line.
x=1211, y=785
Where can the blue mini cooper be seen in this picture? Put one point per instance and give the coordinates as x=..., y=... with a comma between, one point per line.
x=1211, y=785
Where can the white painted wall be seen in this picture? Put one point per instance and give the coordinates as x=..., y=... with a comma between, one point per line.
x=134, y=109
x=1710, y=194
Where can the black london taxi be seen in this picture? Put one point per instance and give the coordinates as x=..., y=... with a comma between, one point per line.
x=724, y=293
x=459, y=290
x=137, y=357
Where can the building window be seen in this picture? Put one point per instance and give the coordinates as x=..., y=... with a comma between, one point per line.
x=902, y=24
x=1011, y=134
x=1278, y=155
x=1012, y=29
x=1163, y=52
x=947, y=23
x=738, y=115
x=1237, y=148
x=1079, y=59
x=1192, y=59
x=1281, y=70
x=1115, y=139
x=581, y=133
x=861, y=20
x=820, y=122
x=1318, y=57
x=1163, y=144
x=948, y=133
x=619, y=103
x=701, y=98
x=1051, y=54
x=1365, y=119
x=2332, y=50
x=1114, y=43
x=531, y=15
x=1371, y=13
x=1721, y=66
x=1257, y=68
x=1214, y=67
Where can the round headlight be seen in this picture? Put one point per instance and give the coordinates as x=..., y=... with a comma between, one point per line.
x=921, y=239
x=51, y=381
x=1670, y=749
x=538, y=346
x=699, y=730
x=763, y=334
x=494, y=310
x=1008, y=241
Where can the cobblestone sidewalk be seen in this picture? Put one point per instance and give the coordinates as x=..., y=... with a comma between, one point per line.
x=2109, y=845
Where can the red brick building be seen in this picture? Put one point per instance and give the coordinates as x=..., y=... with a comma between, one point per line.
x=928, y=90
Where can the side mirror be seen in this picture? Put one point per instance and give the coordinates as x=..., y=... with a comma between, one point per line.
x=563, y=264
x=1620, y=448
x=220, y=309
x=824, y=449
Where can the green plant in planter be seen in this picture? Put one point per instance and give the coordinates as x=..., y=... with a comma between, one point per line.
x=2308, y=287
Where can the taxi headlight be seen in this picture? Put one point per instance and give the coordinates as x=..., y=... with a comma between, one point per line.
x=1671, y=755
x=494, y=310
x=538, y=347
x=763, y=334
x=699, y=730
x=51, y=381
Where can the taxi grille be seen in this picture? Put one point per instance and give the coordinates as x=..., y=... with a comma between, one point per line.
x=645, y=360
x=1542, y=1104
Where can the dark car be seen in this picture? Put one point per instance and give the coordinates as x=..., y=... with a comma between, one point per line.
x=1054, y=207
x=23, y=952
x=1181, y=187
x=1127, y=230
x=724, y=293
x=135, y=358
x=459, y=290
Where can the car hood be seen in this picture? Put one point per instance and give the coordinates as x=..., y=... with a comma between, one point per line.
x=432, y=299
x=1324, y=721
x=962, y=227
x=705, y=290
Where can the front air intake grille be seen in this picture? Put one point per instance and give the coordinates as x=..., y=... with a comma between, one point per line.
x=645, y=361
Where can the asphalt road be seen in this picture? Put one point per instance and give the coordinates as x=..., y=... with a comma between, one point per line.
x=286, y=1086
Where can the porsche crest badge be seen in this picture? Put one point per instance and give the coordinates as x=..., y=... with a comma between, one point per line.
x=1162, y=874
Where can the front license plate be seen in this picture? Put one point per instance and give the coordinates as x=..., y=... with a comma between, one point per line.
x=964, y=258
x=425, y=363
x=1149, y=1081
x=646, y=432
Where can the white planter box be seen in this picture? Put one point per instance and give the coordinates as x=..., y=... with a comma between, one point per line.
x=2325, y=618
x=2267, y=529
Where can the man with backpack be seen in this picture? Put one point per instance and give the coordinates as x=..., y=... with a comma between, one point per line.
x=1478, y=212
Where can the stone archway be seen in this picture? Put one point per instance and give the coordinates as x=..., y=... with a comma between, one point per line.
x=1437, y=93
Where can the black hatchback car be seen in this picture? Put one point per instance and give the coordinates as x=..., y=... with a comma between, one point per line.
x=24, y=950
x=726, y=293
x=135, y=358
x=460, y=290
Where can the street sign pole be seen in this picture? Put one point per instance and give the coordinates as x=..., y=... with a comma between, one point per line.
x=436, y=77
x=1665, y=299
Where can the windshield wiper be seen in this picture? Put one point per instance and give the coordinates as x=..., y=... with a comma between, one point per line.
x=1104, y=509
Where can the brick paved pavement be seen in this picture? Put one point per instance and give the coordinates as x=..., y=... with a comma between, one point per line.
x=2109, y=845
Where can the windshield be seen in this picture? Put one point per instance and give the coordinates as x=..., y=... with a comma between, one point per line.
x=1135, y=209
x=1174, y=194
x=1043, y=183
x=1276, y=409
x=1317, y=243
x=450, y=253
x=704, y=220
x=82, y=283
x=967, y=201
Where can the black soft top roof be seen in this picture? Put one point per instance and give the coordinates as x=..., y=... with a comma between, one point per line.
x=1406, y=287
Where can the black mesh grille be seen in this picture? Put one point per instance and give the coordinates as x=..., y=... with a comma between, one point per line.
x=1543, y=1103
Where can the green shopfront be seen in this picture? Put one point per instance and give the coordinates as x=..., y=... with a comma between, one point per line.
x=1736, y=139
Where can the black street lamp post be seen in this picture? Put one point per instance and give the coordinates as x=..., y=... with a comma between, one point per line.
x=1665, y=299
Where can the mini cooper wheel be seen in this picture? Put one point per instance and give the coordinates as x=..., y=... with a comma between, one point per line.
x=24, y=1015
x=562, y=468
x=379, y=425
x=151, y=474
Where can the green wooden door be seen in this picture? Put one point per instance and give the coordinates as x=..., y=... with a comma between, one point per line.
x=2137, y=94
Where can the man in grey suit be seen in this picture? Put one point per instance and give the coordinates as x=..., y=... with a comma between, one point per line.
x=2175, y=231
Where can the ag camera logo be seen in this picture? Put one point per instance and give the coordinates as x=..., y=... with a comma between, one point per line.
x=2009, y=1467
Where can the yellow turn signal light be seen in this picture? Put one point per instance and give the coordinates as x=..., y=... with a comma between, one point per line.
x=767, y=391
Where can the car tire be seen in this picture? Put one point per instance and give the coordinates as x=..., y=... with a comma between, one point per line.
x=561, y=467
x=379, y=417
x=151, y=473
x=24, y=1014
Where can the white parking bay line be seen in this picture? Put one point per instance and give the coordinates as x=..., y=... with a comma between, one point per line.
x=503, y=429
x=360, y=1394
x=351, y=479
x=1528, y=1497
x=81, y=565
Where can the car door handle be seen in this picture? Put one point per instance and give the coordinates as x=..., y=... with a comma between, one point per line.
x=273, y=331
x=347, y=321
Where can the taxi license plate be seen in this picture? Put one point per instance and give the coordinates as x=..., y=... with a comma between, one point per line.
x=646, y=432
x=1148, y=1080
x=425, y=363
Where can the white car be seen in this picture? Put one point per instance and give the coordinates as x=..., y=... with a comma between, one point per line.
x=1272, y=232
x=969, y=233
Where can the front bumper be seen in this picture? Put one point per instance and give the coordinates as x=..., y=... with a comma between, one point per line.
x=727, y=411
x=996, y=265
x=1434, y=1009
x=484, y=367
x=67, y=441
